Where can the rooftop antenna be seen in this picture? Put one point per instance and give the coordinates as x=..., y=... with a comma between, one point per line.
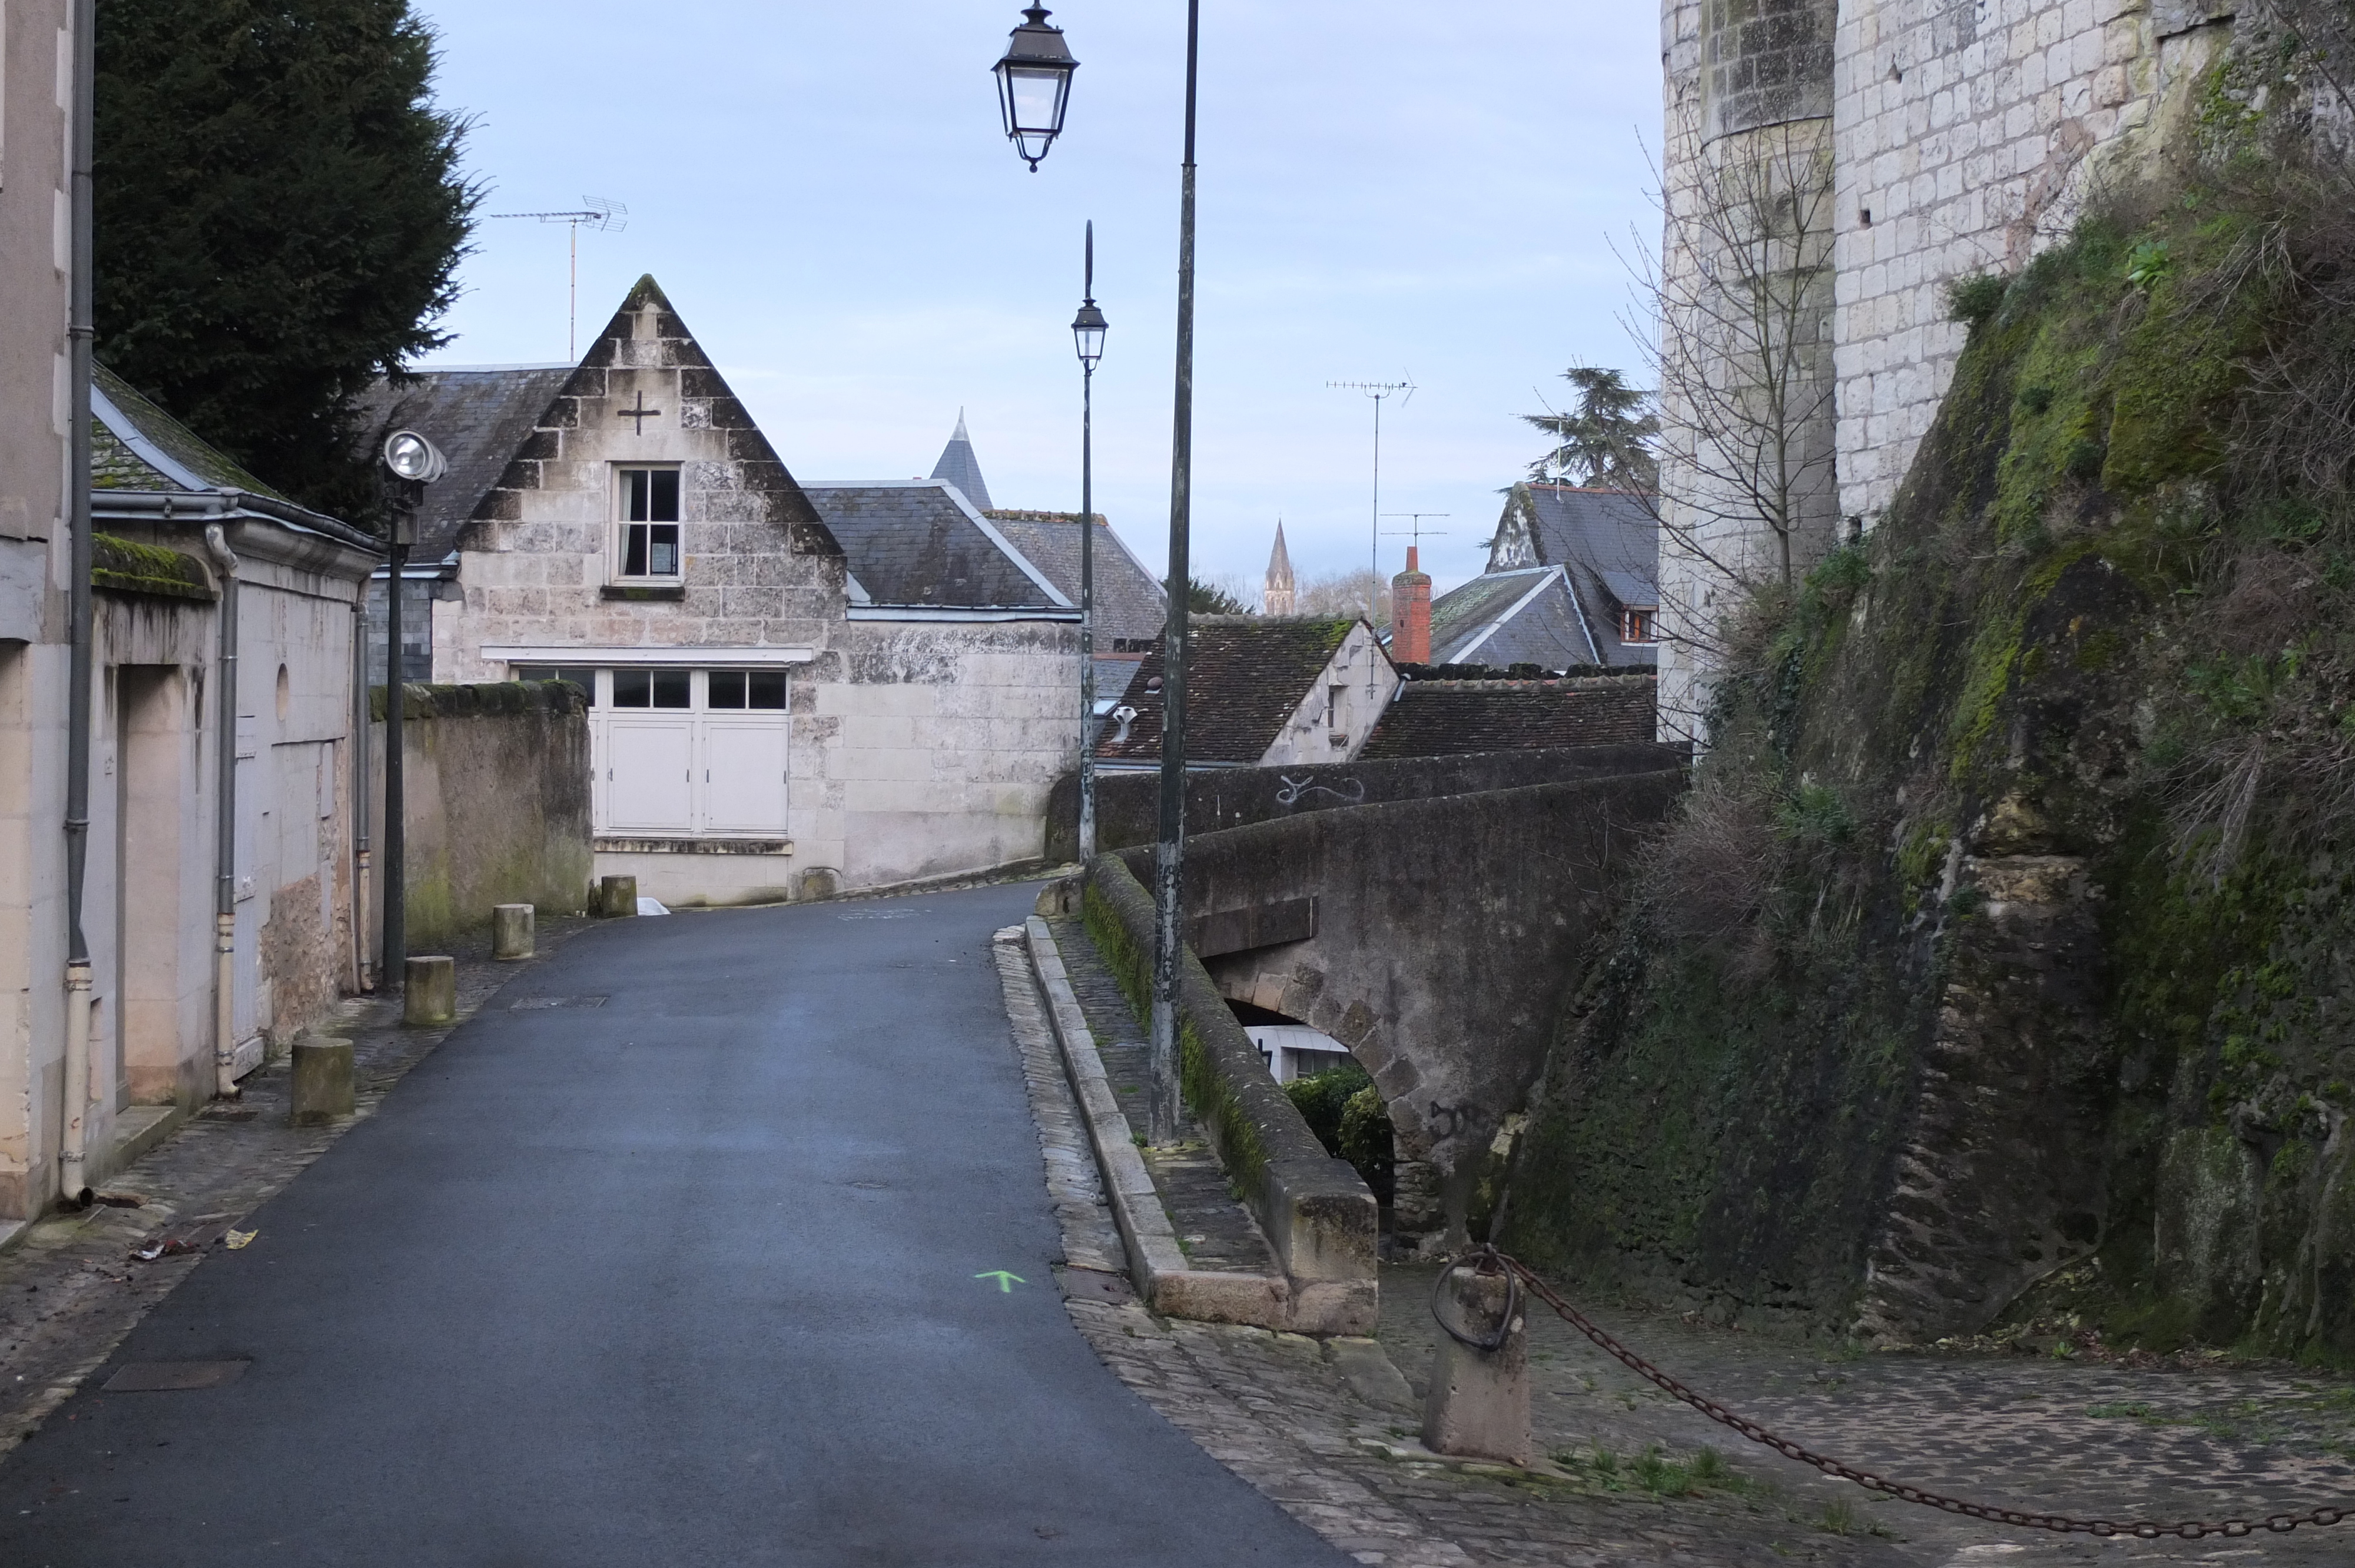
x=1379, y=391
x=1417, y=530
x=596, y=213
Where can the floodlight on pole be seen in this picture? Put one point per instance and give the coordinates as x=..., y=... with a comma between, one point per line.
x=595, y=213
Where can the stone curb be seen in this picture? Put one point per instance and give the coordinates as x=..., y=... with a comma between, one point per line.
x=1156, y=1264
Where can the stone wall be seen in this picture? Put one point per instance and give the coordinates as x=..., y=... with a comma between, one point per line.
x=496, y=778
x=1446, y=933
x=1128, y=804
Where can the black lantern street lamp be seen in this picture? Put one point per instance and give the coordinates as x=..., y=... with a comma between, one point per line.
x=410, y=463
x=1088, y=329
x=1034, y=84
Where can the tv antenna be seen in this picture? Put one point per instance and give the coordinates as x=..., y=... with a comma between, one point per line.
x=1380, y=392
x=1418, y=530
x=598, y=214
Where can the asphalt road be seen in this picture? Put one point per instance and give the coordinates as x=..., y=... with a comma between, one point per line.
x=690, y=1277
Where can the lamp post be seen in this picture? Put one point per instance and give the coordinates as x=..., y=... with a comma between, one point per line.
x=410, y=463
x=1034, y=88
x=1088, y=337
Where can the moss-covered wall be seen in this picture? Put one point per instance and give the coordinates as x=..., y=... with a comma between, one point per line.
x=1999, y=970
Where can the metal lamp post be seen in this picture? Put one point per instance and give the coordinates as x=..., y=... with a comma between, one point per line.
x=1088, y=329
x=410, y=463
x=1034, y=85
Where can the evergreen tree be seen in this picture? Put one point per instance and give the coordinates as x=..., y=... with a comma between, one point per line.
x=280, y=218
x=1605, y=440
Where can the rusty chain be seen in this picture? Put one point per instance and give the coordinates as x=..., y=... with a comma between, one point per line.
x=2140, y=1530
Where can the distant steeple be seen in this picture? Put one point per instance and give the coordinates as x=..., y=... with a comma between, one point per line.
x=1278, y=598
x=961, y=469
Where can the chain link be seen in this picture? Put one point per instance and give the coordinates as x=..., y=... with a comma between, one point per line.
x=2140, y=1530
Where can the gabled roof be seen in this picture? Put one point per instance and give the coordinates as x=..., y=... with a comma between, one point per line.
x=918, y=544
x=1608, y=543
x=959, y=467
x=1448, y=718
x=1245, y=676
x=480, y=418
x=1130, y=605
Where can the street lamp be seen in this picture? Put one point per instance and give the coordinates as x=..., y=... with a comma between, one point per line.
x=1088, y=329
x=412, y=463
x=1034, y=84
x=1043, y=67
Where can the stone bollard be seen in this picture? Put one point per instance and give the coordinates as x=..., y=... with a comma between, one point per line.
x=323, y=1079
x=617, y=896
x=1479, y=1400
x=513, y=929
x=429, y=994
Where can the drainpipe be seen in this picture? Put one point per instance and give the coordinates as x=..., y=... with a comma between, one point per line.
x=363, y=970
x=81, y=327
x=225, y=830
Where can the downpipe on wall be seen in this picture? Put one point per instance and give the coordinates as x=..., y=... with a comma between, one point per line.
x=363, y=966
x=74, y=1149
x=225, y=828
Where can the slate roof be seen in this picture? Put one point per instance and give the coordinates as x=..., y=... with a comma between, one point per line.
x=1502, y=618
x=919, y=544
x=479, y=418
x=1449, y=718
x=135, y=445
x=961, y=468
x=1130, y=604
x=1608, y=543
x=1246, y=675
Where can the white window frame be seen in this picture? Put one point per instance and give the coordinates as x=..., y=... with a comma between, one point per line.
x=622, y=524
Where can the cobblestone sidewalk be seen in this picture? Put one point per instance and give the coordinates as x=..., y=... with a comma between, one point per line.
x=69, y=1291
x=1328, y=1430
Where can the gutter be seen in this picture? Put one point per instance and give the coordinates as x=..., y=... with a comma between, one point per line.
x=217, y=505
x=953, y=613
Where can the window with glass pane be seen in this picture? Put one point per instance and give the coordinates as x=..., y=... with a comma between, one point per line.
x=736, y=690
x=650, y=523
x=651, y=688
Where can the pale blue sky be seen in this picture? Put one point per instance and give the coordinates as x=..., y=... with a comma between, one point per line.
x=1387, y=189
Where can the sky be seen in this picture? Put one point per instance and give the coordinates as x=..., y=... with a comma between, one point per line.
x=1388, y=192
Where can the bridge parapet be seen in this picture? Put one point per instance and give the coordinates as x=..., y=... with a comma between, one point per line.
x=1441, y=940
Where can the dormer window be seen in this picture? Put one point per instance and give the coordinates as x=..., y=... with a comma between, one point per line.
x=649, y=524
x=1636, y=625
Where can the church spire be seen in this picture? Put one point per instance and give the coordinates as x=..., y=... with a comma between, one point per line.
x=961, y=469
x=1278, y=597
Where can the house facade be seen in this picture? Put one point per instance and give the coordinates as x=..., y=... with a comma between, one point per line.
x=799, y=689
x=1259, y=693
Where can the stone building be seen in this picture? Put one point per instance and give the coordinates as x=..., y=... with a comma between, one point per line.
x=797, y=689
x=1848, y=163
x=1261, y=692
x=1572, y=582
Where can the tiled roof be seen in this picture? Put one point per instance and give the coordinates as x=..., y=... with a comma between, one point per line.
x=916, y=543
x=961, y=468
x=480, y=420
x=1129, y=602
x=1447, y=718
x=1246, y=675
x=135, y=445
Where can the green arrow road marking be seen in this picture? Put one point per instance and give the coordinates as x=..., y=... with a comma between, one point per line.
x=1006, y=1282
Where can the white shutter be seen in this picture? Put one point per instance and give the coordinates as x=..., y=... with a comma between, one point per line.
x=744, y=764
x=648, y=761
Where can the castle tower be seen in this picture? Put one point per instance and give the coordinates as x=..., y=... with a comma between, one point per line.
x=1278, y=597
x=961, y=469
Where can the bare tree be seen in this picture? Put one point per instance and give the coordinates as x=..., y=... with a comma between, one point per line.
x=1348, y=593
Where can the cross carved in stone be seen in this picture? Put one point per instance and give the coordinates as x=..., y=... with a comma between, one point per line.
x=640, y=413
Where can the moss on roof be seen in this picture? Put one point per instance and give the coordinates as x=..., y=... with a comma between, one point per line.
x=125, y=566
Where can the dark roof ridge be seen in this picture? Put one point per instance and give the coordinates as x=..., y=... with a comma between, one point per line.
x=1562, y=682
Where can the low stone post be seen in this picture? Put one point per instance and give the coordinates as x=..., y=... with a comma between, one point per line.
x=1479, y=1402
x=513, y=931
x=430, y=993
x=617, y=896
x=323, y=1079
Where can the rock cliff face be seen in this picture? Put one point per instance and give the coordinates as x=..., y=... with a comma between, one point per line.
x=1997, y=970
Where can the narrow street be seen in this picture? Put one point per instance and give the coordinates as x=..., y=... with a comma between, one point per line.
x=713, y=1239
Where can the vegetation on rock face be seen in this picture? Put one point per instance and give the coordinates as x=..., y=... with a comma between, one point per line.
x=280, y=221
x=1997, y=960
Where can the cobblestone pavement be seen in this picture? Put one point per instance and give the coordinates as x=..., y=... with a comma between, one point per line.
x=1328, y=1430
x=71, y=1291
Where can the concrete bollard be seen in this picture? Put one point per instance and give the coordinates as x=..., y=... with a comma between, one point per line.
x=1479, y=1402
x=617, y=896
x=323, y=1079
x=429, y=994
x=513, y=930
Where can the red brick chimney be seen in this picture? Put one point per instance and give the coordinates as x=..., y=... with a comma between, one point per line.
x=1411, y=614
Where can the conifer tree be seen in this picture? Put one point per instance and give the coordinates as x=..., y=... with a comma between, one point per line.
x=280, y=218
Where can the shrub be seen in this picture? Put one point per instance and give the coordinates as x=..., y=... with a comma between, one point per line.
x=1974, y=300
